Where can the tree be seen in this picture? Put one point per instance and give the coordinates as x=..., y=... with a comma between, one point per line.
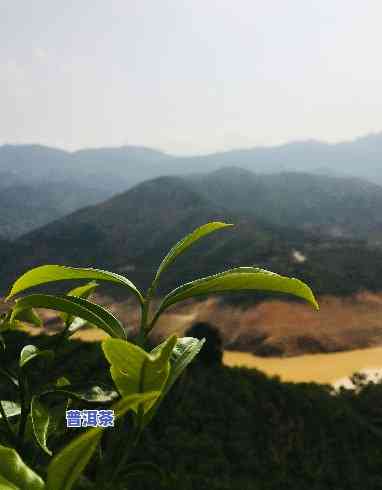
x=212, y=352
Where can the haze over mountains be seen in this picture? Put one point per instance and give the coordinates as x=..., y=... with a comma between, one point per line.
x=27, y=206
x=132, y=231
x=332, y=206
x=120, y=168
x=40, y=184
x=115, y=208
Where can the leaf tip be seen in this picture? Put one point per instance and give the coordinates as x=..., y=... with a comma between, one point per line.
x=223, y=224
x=315, y=304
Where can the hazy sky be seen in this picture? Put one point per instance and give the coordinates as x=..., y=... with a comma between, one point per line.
x=189, y=76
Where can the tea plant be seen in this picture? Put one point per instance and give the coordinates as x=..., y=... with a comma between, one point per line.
x=32, y=422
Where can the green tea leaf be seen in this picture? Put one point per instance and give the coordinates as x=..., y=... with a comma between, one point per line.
x=51, y=273
x=11, y=409
x=57, y=419
x=89, y=394
x=135, y=371
x=81, y=292
x=62, y=381
x=185, y=350
x=95, y=394
x=115, y=326
x=67, y=466
x=133, y=402
x=30, y=352
x=15, y=472
x=186, y=243
x=7, y=485
x=245, y=279
x=94, y=314
x=40, y=423
x=28, y=315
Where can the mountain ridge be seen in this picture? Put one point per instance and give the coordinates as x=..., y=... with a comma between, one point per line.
x=308, y=155
x=132, y=231
x=335, y=206
x=113, y=170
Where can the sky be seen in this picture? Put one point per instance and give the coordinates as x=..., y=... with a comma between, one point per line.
x=189, y=76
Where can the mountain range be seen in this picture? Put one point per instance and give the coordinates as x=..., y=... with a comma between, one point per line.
x=346, y=207
x=132, y=231
x=89, y=176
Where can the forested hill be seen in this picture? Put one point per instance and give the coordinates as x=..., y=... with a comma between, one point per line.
x=226, y=428
x=132, y=231
x=135, y=227
x=334, y=206
x=25, y=207
x=40, y=184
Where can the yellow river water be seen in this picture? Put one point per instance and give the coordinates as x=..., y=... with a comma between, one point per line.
x=321, y=368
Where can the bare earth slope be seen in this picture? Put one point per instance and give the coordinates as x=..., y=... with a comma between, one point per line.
x=272, y=328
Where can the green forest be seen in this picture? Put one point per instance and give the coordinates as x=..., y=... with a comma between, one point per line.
x=237, y=429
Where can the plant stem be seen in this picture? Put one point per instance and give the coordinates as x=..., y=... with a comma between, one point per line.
x=153, y=321
x=141, y=338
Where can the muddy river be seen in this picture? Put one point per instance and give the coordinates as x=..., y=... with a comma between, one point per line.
x=321, y=368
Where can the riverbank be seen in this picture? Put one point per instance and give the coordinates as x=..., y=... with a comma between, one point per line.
x=319, y=368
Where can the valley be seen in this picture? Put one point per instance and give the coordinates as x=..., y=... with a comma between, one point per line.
x=323, y=227
x=190, y=245
x=282, y=339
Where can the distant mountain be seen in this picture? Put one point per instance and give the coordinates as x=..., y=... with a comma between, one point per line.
x=361, y=157
x=120, y=230
x=110, y=169
x=132, y=231
x=96, y=174
x=120, y=168
x=333, y=206
x=25, y=207
x=40, y=184
x=129, y=233
x=34, y=163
